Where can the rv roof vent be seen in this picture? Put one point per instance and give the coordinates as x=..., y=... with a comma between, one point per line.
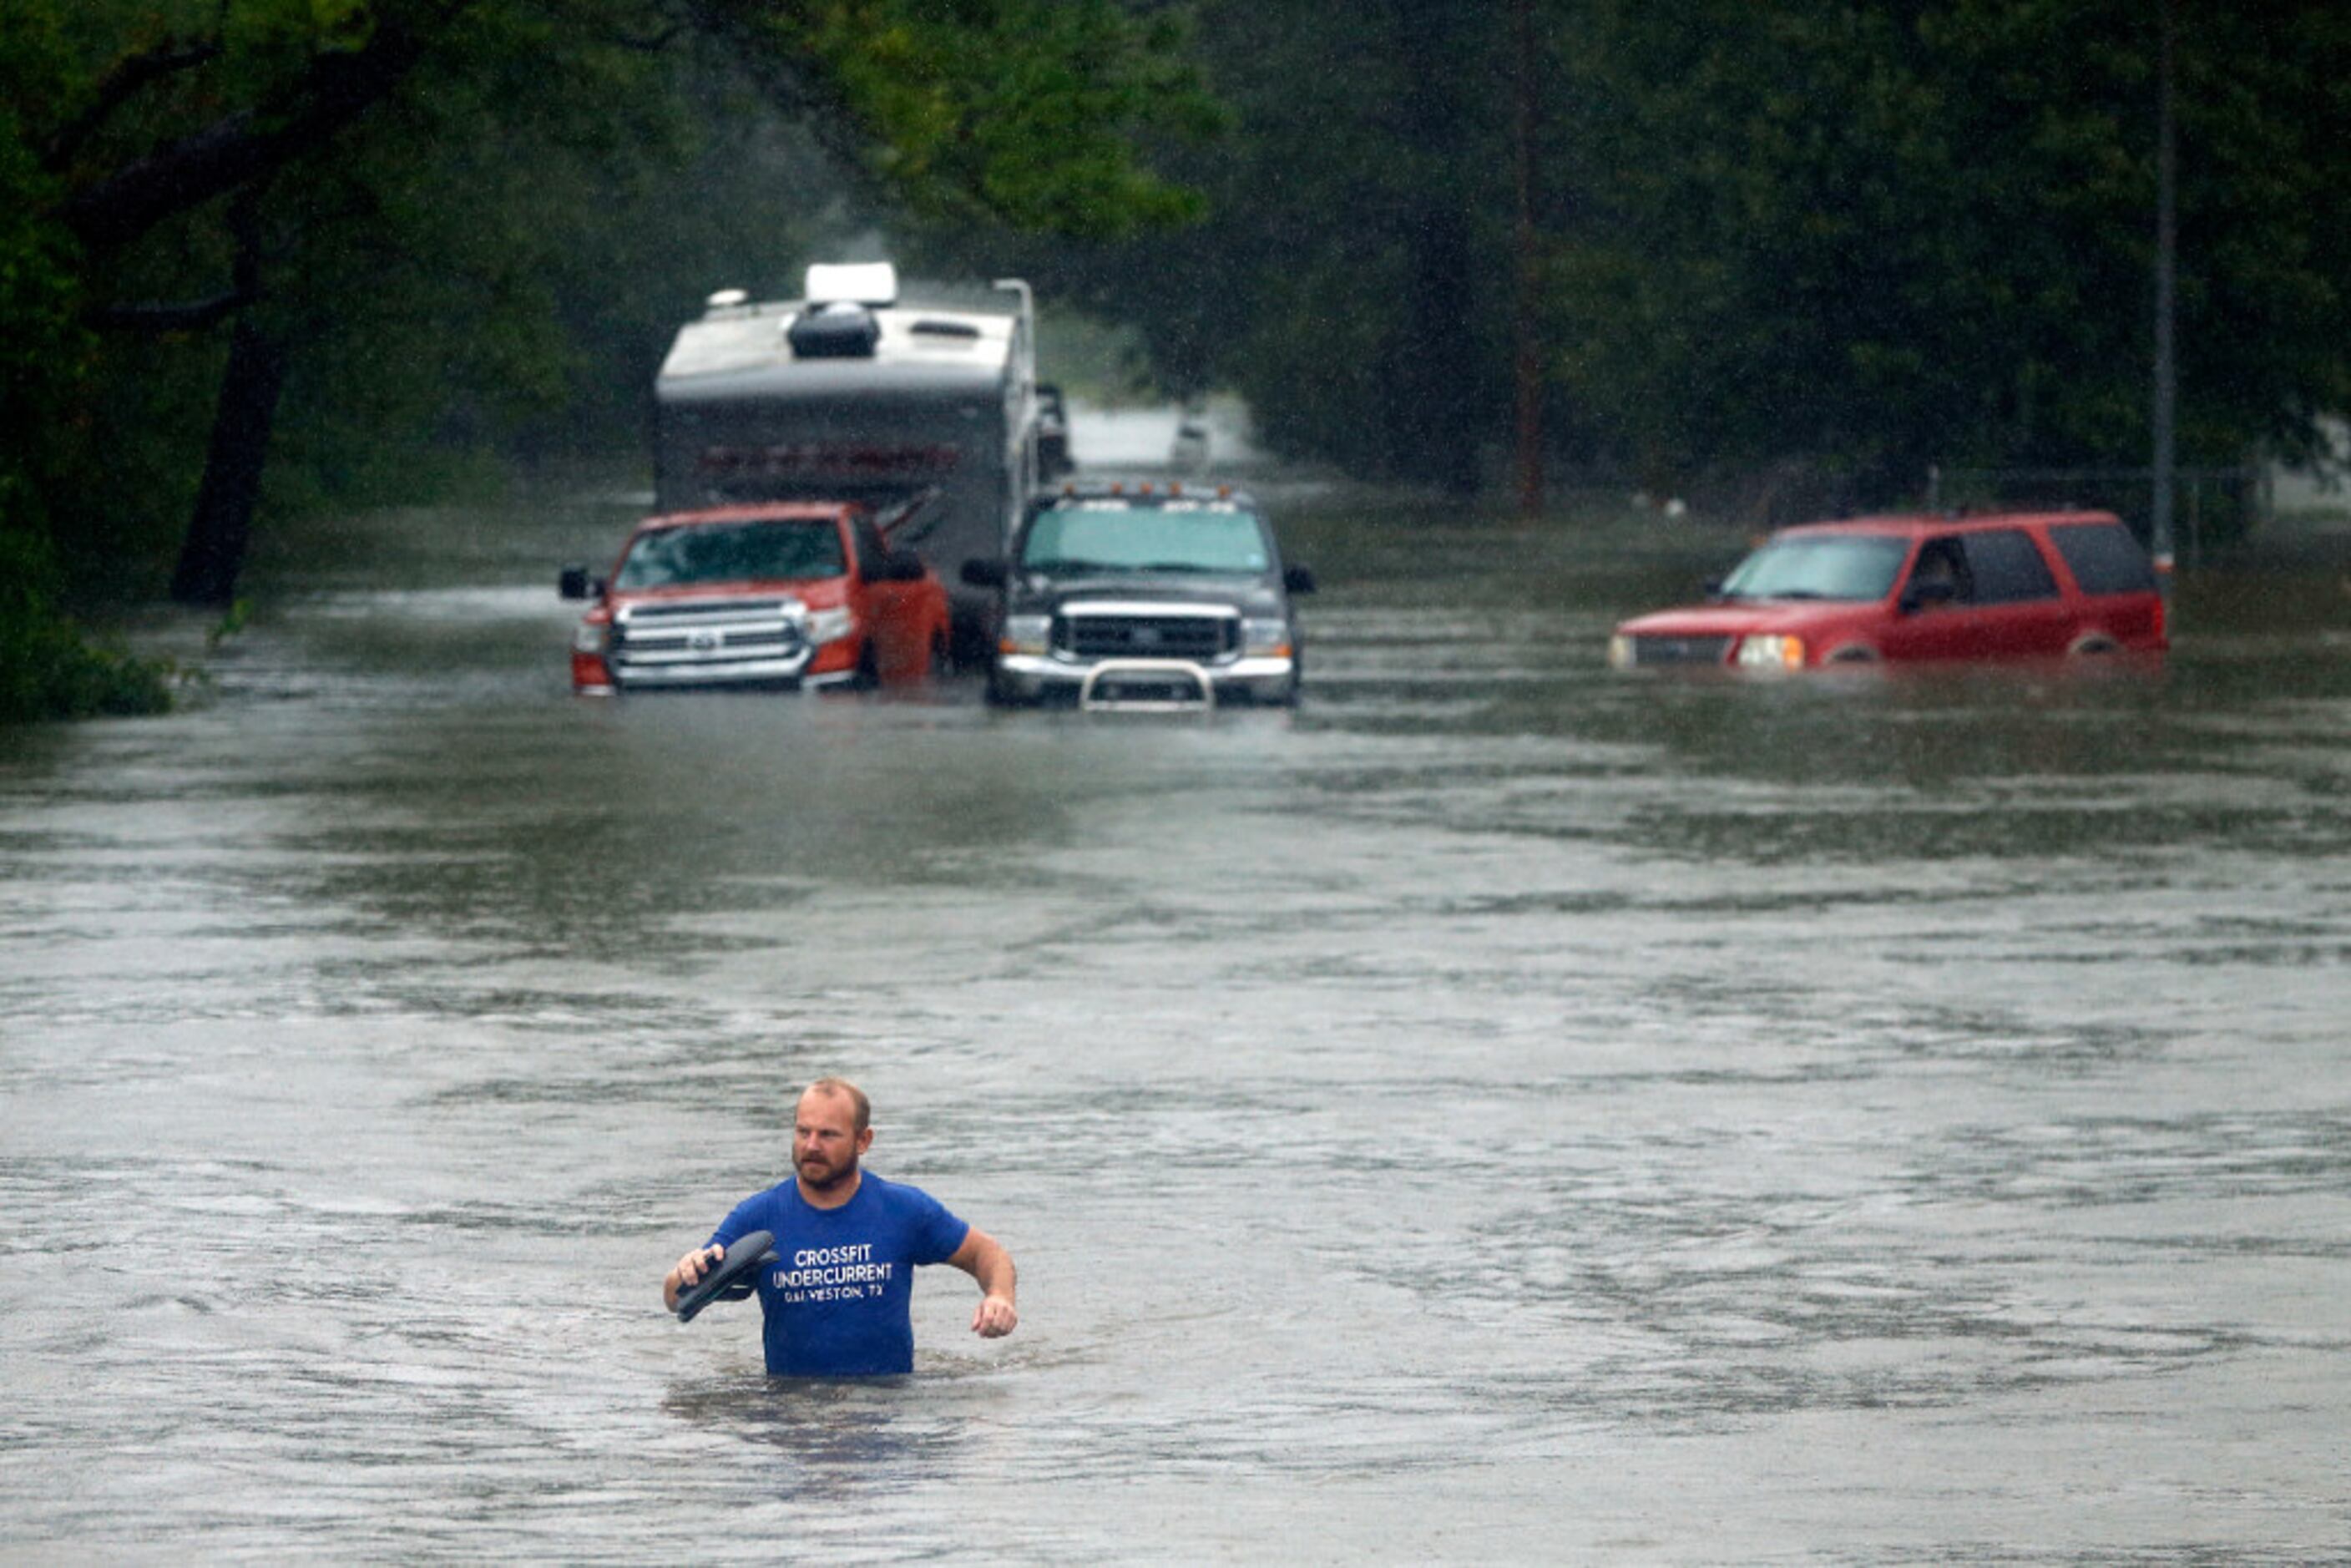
x=869, y=282
x=728, y=300
x=939, y=327
x=834, y=332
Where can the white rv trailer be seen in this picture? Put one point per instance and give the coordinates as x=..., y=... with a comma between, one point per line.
x=849, y=395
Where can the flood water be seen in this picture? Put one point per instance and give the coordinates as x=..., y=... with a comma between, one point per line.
x=1501, y=1111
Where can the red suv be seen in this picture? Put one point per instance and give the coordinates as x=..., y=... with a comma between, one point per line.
x=1995, y=586
x=782, y=594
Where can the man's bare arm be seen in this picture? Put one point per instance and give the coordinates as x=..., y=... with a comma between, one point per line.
x=983, y=1258
x=687, y=1272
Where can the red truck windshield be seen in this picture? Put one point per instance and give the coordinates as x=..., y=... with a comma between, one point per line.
x=733, y=552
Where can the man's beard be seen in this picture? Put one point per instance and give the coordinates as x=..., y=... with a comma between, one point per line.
x=835, y=1175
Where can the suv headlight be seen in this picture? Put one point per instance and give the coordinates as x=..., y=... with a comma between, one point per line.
x=1025, y=634
x=591, y=637
x=830, y=625
x=1770, y=651
x=1270, y=638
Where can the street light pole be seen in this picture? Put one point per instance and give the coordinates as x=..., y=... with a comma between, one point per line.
x=1526, y=350
x=2167, y=248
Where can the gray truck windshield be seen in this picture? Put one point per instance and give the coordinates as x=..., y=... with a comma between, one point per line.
x=1171, y=538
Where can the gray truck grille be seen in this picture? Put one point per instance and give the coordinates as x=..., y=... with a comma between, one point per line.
x=1091, y=635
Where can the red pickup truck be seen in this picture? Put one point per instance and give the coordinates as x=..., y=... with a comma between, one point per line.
x=783, y=594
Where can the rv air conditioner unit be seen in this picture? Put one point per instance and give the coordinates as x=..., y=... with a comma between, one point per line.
x=834, y=332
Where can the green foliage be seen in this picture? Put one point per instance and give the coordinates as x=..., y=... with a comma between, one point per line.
x=419, y=269
x=48, y=669
x=470, y=227
x=231, y=624
x=1872, y=237
x=1019, y=112
x=1900, y=235
x=1349, y=278
x=41, y=351
x=474, y=223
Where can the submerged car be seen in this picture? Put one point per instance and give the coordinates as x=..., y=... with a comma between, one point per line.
x=1159, y=596
x=783, y=594
x=1993, y=586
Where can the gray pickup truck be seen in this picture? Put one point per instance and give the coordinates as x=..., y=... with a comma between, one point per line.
x=1170, y=596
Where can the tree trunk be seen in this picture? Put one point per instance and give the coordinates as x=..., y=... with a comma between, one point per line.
x=1436, y=416
x=212, y=555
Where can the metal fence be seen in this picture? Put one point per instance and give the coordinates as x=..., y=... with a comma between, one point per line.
x=2209, y=505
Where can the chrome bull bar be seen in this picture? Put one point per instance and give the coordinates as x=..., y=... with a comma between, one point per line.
x=1170, y=671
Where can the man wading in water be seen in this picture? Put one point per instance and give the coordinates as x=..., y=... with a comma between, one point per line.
x=839, y=1297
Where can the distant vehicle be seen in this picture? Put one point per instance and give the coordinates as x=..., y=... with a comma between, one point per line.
x=1997, y=586
x=786, y=594
x=1158, y=596
x=1188, y=453
x=1053, y=459
x=848, y=394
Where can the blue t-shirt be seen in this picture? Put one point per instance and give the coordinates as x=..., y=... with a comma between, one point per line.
x=840, y=1298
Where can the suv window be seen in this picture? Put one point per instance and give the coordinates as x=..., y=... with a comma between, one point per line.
x=2104, y=558
x=1940, y=562
x=2007, y=567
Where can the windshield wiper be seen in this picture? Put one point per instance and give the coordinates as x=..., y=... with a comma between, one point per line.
x=1071, y=564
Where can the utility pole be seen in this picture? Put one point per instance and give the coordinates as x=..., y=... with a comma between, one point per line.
x=2167, y=261
x=1527, y=346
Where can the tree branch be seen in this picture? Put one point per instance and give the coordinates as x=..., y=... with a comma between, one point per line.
x=129, y=76
x=649, y=44
x=251, y=144
x=664, y=22
x=155, y=319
